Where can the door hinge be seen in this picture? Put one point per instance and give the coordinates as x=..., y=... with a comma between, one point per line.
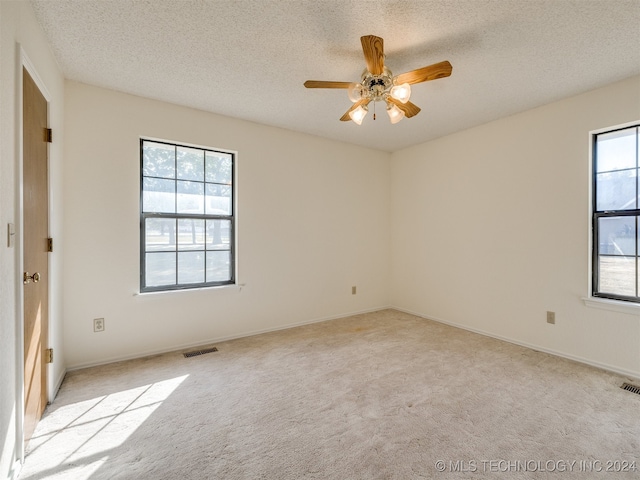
x=48, y=135
x=48, y=355
x=49, y=244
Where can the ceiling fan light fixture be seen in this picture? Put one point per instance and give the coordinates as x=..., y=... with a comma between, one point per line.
x=401, y=92
x=395, y=114
x=358, y=114
x=355, y=92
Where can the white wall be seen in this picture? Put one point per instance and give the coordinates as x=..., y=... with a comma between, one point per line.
x=491, y=229
x=312, y=222
x=18, y=27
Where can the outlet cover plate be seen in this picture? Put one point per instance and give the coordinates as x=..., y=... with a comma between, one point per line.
x=98, y=324
x=551, y=318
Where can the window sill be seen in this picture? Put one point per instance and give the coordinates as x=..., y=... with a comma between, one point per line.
x=236, y=288
x=612, y=305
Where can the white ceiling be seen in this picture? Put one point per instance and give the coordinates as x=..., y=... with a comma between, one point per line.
x=249, y=58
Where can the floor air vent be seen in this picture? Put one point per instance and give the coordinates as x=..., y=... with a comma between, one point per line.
x=195, y=353
x=631, y=388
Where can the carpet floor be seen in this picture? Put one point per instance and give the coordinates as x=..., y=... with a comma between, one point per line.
x=383, y=395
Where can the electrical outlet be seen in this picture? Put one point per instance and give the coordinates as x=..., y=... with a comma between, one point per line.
x=551, y=318
x=353, y=290
x=98, y=324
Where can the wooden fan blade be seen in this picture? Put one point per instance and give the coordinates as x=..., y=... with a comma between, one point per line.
x=432, y=72
x=373, y=48
x=409, y=109
x=323, y=84
x=346, y=117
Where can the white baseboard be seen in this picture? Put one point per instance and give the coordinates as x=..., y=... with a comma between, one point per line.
x=603, y=366
x=57, y=385
x=199, y=343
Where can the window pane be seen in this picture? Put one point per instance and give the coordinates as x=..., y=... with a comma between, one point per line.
x=160, y=234
x=617, y=275
x=181, y=187
x=191, y=267
x=190, y=164
x=160, y=269
x=158, y=160
x=190, y=197
x=218, y=266
x=190, y=234
x=218, y=199
x=616, y=150
x=158, y=195
x=218, y=168
x=617, y=236
x=218, y=234
x=616, y=190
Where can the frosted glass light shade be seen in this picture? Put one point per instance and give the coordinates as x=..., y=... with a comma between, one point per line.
x=355, y=91
x=395, y=114
x=401, y=92
x=358, y=114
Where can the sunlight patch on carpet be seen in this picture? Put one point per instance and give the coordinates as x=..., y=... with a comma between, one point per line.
x=84, y=433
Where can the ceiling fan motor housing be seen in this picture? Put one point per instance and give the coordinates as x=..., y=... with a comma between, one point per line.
x=376, y=86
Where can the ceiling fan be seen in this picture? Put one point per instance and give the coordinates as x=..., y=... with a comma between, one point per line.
x=379, y=84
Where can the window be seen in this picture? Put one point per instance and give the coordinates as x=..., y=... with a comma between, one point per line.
x=187, y=217
x=616, y=214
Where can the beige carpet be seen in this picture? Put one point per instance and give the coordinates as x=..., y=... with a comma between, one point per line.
x=383, y=395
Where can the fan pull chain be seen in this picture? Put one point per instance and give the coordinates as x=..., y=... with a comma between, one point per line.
x=374, y=110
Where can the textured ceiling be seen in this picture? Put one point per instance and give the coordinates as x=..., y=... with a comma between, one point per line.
x=249, y=58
